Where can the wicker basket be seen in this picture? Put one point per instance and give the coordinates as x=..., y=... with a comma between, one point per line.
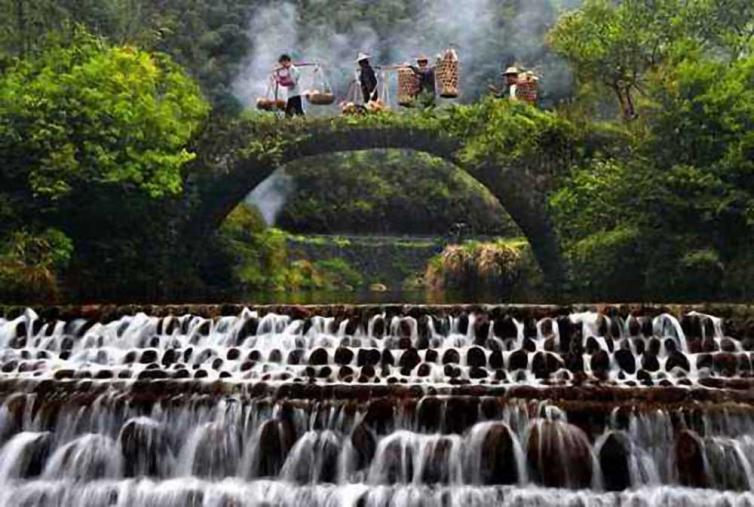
x=527, y=88
x=264, y=104
x=317, y=98
x=408, y=87
x=448, y=74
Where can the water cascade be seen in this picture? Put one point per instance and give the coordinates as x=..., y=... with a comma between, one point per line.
x=375, y=406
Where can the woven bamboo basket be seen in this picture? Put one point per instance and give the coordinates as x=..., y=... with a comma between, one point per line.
x=318, y=98
x=527, y=88
x=265, y=104
x=408, y=87
x=448, y=74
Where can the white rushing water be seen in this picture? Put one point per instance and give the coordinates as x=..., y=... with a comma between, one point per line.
x=114, y=413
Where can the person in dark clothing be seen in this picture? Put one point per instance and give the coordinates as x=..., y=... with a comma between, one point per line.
x=367, y=78
x=426, y=74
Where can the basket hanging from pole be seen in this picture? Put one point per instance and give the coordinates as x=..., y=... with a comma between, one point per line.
x=320, y=93
x=448, y=74
x=527, y=88
x=270, y=100
x=408, y=87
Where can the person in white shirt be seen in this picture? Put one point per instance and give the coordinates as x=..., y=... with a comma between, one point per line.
x=510, y=83
x=288, y=76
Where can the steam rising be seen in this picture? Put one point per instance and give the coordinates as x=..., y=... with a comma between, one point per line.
x=487, y=35
x=270, y=195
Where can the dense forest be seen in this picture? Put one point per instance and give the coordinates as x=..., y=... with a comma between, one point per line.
x=105, y=105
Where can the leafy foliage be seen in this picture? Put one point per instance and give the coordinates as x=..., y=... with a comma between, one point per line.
x=388, y=192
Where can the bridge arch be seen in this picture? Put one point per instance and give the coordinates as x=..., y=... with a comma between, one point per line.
x=217, y=189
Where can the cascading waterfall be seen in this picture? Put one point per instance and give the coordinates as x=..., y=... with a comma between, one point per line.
x=376, y=406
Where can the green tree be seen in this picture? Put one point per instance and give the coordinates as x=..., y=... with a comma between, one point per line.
x=616, y=44
x=90, y=113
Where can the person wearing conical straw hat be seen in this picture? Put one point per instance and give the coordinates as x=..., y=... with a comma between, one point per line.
x=367, y=78
x=426, y=74
x=510, y=80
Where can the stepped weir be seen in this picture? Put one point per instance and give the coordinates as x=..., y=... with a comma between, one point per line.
x=229, y=406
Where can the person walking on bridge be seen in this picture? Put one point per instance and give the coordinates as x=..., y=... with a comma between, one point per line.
x=426, y=74
x=510, y=83
x=288, y=77
x=367, y=78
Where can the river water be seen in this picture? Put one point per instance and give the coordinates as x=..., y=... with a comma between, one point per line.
x=373, y=406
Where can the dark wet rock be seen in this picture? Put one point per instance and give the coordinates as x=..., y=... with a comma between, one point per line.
x=689, y=455
x=644, y=377
x=144, y=445
x=276, y=438
x=10, y=366
x=249, y=328
x=559, y=454
x=691, y=325
x=451, y=356
x=387, y=358
x=452, y=371
x=625, y=360
x=478, y=373
x=475, y=357
x=217, y=363
x=169, y=357
x=424, y=370
x=726, y=470
x=677, y=360
x=63, y=374
x=614, y=458
x=670, y=345
x=343, y=356
x=600, y=363
x=318, y=357
x=649, y=362
x=378, y=329
x=295, y=356
x=505, y=327
x=496, y=360
x=461, y=413
x=481, y=328
x=431, y=356
x=436, y=462
x=276, y=356
x=709, y=344
x=529, y=345
x=518, y=360
x=704, y=361
x=727, y=344
x=592, y=345
x=369, y=357
x=379, y=414
x=574, y=362
x=429, y=413
x=654, y=346
x=498, y=457
x=409, y=359
x=545, y=364
x=639, y=346
x=725, y=363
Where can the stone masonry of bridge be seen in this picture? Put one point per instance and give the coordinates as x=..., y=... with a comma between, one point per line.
x=245, y=157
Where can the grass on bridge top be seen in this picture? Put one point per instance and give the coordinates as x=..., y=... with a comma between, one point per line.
x=490, y=130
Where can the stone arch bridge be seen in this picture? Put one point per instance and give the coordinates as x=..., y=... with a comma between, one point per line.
x=245, y=156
